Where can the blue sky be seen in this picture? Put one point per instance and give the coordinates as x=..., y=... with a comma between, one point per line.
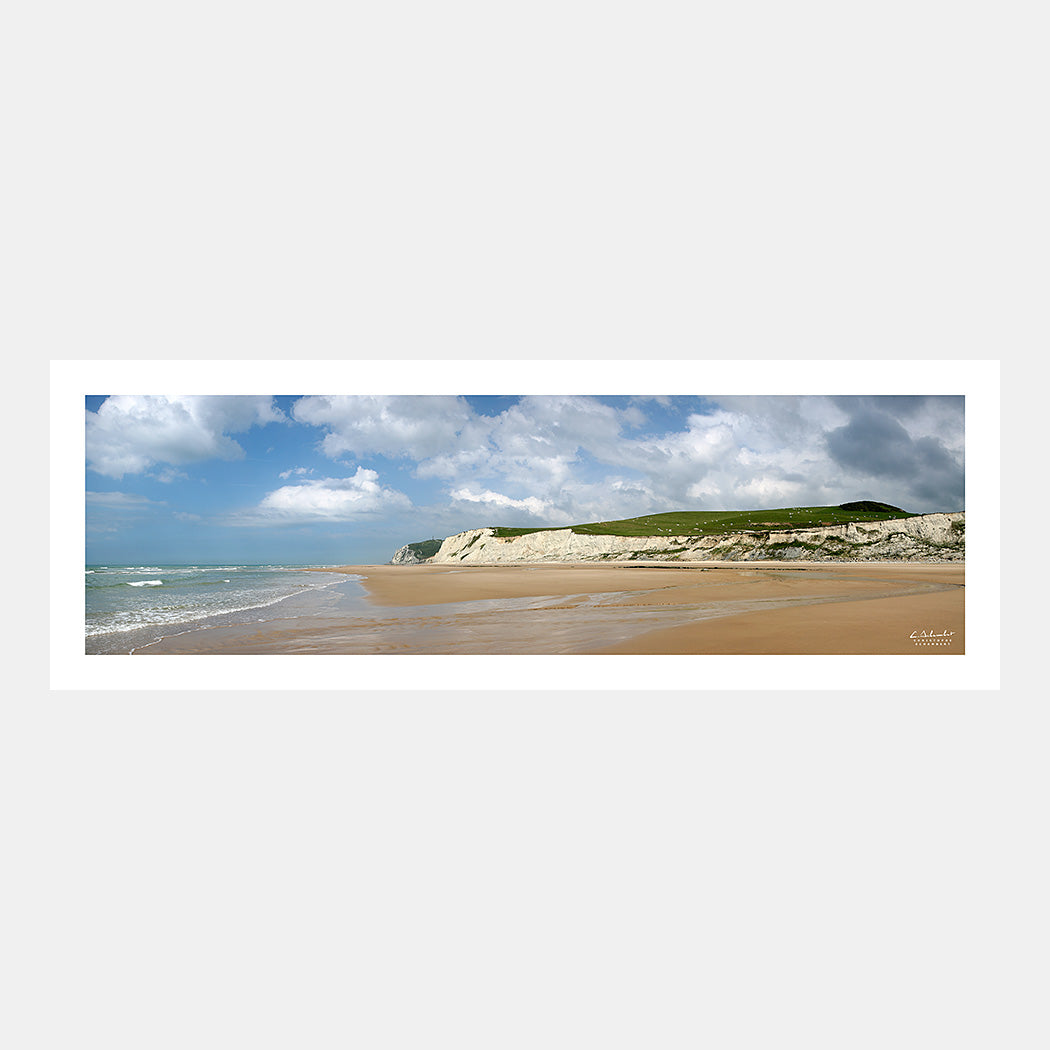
x=311, y=479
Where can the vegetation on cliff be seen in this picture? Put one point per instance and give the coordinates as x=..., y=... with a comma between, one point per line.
x=717, y=522
x=690, y=523
x=424, y=548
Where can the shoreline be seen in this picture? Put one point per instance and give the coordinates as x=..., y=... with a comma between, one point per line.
x=645, y=608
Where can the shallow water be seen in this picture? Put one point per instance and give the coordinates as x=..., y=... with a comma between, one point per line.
x=127, y=607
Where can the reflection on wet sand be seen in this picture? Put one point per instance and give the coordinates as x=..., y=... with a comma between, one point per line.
x=725, y=608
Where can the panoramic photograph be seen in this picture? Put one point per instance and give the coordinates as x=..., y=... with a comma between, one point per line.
x=524, y=524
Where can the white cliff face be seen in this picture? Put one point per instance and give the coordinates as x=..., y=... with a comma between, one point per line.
x=405, y=556
x=928, y=537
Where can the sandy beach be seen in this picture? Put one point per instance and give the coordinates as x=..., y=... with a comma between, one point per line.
x=814, y=608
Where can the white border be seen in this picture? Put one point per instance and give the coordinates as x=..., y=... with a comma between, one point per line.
x=977, y=669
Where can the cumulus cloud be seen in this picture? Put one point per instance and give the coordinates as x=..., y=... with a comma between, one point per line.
x=872, y=443
x=461, y=462
x=131, y=433
x=675, y=462
x=393, y=426
x=876, y=444
x=568, y=458
x=529, y=505
x=532, y=448
x=563, y=424
x=326, y=499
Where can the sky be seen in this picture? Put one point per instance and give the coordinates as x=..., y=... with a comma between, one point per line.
x=311, y=479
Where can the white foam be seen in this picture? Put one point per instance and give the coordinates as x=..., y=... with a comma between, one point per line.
x=146, y=583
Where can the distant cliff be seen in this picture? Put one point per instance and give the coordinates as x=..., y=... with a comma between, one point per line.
x=925, y=537
x=414, y=553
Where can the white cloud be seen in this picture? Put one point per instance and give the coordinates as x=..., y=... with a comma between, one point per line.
x=131, y=432
x=535, y=442
x=577, y=458
x=296, y=472
x=326, y=499
x=544, y=455
x=563, y=424
x=392, y=426
x=468, y=462
x=120, y=500
x=530, y=504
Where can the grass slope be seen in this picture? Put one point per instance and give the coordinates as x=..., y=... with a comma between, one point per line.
x=711, y=523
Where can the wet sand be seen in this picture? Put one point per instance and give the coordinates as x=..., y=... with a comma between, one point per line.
x=750, y=608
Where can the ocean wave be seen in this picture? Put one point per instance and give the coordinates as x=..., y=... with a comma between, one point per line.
x=146, y=583
x=137, y=620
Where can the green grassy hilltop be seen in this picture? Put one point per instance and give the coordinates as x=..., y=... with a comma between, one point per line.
x=715, y=522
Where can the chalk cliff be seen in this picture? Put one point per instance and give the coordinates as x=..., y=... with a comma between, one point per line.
x=927, y=537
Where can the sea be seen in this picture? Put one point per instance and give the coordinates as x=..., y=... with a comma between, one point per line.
x=128, y=606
